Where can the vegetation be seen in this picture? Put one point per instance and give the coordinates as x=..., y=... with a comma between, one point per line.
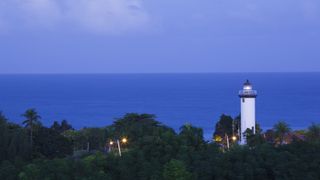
x=281, y=129
x=154, y=151
x=31, y=122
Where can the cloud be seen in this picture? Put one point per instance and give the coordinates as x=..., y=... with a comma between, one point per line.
x=107, y=15
x=39, y=12
x=102, y=16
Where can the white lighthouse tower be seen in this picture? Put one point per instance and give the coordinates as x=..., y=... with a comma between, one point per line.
x=248, y=110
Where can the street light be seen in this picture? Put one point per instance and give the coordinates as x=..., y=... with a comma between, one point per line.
x=123, y=140
x=234, y=138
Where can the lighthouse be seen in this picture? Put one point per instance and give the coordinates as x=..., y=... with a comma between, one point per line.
x=248, y=109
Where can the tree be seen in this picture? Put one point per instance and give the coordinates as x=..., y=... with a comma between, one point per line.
x=191, y=144
x=176, y=170
x=150, y=145
x=248, y=134
x=51, y=144
x=224, y=126
x=95, y=138
x=14, y=141
x=191, y=136
x=253, y=139
x=3, y=118
x=136, y=126
x=281, y=129
x=3, y=136
x=269, y=136
x=61, y=128
x=32, y=120
x=30, y=172
x=226, y=129
x=56, y=126
x=65, y=126
x=258, y=129
x=7, y=170
x=313, y=133
x=237, y=125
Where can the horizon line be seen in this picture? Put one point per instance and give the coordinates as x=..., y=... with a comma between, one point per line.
x=106, y=73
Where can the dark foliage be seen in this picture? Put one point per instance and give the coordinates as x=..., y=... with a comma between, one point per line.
x=152, y=151
x=51, y=144
x=60, y=128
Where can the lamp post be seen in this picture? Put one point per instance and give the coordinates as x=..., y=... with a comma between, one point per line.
x=234, y=138
x=119, y=147
x=123, y=140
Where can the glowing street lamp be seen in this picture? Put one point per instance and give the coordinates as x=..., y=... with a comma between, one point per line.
x=234, y=138
x=124, y=140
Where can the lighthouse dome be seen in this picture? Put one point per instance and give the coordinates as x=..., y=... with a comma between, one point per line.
x=247, y=85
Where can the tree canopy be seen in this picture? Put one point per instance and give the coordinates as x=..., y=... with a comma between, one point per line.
x=154, y=151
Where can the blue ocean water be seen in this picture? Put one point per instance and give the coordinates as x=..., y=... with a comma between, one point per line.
x=176, y=99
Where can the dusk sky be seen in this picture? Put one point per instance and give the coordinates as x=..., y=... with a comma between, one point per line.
x=154, y=36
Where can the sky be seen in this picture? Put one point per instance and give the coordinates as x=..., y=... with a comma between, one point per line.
x=159, y=36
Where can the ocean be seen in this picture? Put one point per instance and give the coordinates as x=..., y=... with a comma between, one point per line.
x=91, y=100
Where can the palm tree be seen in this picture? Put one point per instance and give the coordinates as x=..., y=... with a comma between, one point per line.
x=191, y=135
x=32, y=119
x=280, y=130
x=313, y=133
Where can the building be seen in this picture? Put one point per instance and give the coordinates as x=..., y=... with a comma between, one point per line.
x=248, y=110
